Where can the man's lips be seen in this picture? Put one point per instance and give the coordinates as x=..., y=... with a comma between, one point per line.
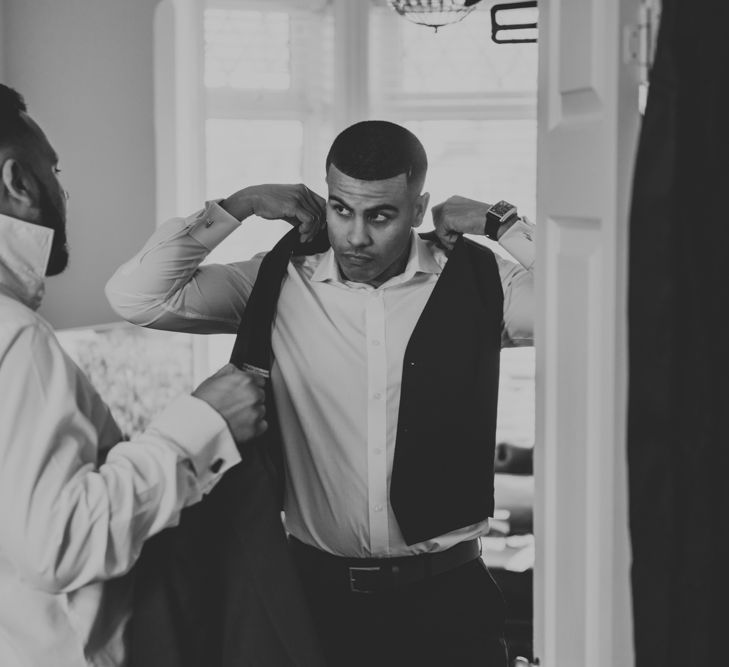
x=356, y=259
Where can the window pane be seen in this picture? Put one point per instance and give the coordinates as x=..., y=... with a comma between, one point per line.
x=481, y=159
x=459, y=58
x=244, y=152
x=247, y=50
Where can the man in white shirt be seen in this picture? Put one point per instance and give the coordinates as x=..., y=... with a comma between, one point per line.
x=382, y=592
x=76, y=503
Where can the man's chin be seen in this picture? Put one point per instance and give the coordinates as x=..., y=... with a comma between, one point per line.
x=357, y=274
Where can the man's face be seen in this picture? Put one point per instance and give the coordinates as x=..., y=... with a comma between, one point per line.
x=369, y=225
x=43, y=163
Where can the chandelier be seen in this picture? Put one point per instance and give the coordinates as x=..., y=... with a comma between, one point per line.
x=433, y=13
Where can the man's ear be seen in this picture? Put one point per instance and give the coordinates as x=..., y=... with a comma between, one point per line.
x=21, y=190
x=421, y=205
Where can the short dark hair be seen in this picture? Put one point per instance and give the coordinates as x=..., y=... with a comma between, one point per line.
x=374, y=150
x=13, y=125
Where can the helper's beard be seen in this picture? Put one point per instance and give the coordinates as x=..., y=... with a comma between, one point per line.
x=53, y=218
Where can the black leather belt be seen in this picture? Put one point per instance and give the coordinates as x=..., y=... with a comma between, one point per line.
x=372, y=575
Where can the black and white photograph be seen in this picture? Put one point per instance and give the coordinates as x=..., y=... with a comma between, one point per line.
x=363, y=333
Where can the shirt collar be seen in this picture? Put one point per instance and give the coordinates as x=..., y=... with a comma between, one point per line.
x=420, y=260
x=24, y=252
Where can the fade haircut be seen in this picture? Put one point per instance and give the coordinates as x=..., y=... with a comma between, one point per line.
x=13, y=125
x=375, y=150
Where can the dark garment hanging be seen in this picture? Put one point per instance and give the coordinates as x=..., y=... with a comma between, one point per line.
x=678, y=433
x=220, y=589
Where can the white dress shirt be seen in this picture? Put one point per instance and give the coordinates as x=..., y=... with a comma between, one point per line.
x=75, y=506
x=338, y=352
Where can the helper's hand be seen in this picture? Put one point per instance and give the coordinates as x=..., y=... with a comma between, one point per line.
x=239, y=398
x=456, y=216
x=294, y=203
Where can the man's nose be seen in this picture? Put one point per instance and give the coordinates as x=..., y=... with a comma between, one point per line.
x=358, y=234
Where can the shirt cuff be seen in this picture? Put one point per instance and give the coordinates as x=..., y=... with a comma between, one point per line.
x=212, y=225
x=518, y=240
x=202, y=436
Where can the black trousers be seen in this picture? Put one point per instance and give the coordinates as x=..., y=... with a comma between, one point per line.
x=454, y=619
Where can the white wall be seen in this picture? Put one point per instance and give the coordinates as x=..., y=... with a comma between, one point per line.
x=2, y=40
x=85, y=68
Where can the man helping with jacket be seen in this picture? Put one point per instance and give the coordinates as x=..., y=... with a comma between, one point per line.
x=76, y=503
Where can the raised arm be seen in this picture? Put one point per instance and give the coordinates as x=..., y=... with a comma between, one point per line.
x=164, y=286
x=461, y=215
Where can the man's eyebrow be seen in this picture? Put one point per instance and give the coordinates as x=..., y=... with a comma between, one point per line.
x=340, y=201
x=383, y=207
x=371, y=209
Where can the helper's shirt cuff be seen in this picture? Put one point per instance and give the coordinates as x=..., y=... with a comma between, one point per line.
x=202, y=436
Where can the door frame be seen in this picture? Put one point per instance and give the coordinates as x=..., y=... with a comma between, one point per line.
x=588, y=122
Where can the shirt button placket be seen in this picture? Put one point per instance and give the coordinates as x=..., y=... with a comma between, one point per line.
x=377, y=421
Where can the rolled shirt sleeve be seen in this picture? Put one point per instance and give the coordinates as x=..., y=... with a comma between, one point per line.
x=164, y=286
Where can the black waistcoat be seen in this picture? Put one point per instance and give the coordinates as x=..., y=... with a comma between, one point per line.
x=443, y=471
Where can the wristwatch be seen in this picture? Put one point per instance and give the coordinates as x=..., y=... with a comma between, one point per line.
x=501, y=212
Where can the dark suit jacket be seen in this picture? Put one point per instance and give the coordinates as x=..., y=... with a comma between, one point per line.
x=220, y=589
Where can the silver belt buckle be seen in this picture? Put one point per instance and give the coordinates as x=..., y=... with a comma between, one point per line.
x=353, y=578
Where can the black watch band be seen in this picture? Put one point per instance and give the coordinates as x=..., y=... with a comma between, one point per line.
x=501, y=212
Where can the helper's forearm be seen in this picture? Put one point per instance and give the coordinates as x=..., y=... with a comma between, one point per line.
x=67, y=521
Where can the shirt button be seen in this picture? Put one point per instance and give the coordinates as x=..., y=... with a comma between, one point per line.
x=378, y=396
x=378, y=508
x=209, y=223
x=375, y=342
x=216, y=466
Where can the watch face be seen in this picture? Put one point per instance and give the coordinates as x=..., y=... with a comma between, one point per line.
x=501, y=209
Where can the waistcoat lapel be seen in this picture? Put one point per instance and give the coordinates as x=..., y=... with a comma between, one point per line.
x=442, y=477
x=253, y=343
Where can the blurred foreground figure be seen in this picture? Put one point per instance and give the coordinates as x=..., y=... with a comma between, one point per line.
x=76, y=504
